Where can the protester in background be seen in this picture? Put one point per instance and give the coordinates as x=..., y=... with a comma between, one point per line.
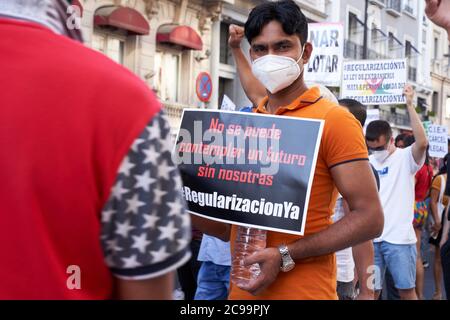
x=438, y=203
x=445, y=251
x=400, y=140
x=445, y=242
x=425, y=244
x=396, y=249
x=213, y=280
x=89, y=180
x=423, y=179
x=277, y=32
x=438, y=11
x=426, y=231
x=362, y=255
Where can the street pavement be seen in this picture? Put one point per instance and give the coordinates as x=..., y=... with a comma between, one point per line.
x=429, y=278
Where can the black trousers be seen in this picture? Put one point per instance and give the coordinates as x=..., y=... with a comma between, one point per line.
x=187, y=274
x=445, y=259
x=389, y=291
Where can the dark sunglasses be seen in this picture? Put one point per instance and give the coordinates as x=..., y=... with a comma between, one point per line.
x=381, y=148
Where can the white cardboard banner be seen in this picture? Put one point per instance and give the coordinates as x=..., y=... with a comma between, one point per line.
x=325, y=64
x=438, y=140
x=227, y=104
x=372, y=115
x=374, y=82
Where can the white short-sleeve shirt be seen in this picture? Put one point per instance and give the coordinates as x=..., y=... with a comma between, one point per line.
x=397, y=195
x=344, y=258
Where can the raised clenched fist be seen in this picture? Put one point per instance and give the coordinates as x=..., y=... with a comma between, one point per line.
x=236, y=36
x=409, y=94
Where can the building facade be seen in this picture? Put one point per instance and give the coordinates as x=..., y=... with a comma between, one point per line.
x=395, y=29
x=168, y=43
x=439, y=49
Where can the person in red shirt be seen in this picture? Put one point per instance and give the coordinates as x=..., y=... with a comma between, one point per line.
x=91, y=203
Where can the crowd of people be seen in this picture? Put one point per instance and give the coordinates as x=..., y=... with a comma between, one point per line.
x=91, y=199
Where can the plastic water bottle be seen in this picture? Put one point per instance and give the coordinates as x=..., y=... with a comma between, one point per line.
x=248, y=241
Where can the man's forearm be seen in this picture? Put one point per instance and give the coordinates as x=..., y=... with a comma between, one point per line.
x=363, y=254
x=352, y=229
x=159, y=288
x=445, y=228
x=417, y=127
x=434, y=211
x=254, y=90
x=213, y=228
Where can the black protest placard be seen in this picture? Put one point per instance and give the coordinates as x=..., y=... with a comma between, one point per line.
x=248, y=169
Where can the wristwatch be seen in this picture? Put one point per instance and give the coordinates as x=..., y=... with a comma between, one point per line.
x=287, y=264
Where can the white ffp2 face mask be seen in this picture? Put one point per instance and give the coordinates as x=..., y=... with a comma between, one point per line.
x=276, y=72
x=381, y=156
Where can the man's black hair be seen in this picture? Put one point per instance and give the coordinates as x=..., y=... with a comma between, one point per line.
x=444, y=168
x=378, y=128
x=409, y=140
x=286, y=12
x=356, y=108
x=400, y=137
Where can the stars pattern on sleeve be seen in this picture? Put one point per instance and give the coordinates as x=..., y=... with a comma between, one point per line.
x=145, y=228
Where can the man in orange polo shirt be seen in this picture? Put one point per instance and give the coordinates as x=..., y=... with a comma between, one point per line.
x=277, y=33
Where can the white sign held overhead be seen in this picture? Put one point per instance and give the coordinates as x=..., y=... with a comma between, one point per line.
x=438, y=140
x=374, y=82
x=372, y=115
x=227, y=104
x=325, y=64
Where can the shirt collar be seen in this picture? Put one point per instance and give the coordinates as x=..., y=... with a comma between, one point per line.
x=52, y=14
x=309, y=97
